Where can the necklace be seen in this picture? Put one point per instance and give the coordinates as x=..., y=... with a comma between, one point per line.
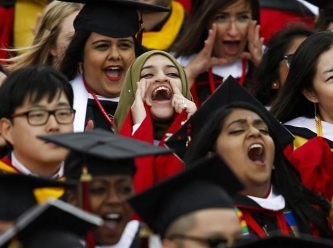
x=108, y=117
x=319, y=127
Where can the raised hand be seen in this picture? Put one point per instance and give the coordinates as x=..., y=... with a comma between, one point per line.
x=137, y=108
x=180, y=103
x=90, y=125
x=204, y=60
x=255, y=44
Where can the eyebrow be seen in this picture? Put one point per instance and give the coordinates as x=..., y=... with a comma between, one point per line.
x=36, y=105
x=242, y=121
x=328, y=70
x=152, y=66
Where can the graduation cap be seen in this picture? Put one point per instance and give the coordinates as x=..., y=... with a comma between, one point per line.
x=230, y=91
x=53, y=218
x=112, y=18
x=206, y=185
x=280, y=241
x=17, y=193
x=102, y=152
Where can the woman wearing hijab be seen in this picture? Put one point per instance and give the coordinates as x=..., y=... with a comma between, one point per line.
x=154, y=103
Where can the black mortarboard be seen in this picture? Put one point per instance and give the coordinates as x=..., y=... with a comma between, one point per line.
x=112, y=18
x=56, y=217
x=17, y=196
x=321, y=4
x=230, y=91
x=280, y=241
x=102, y=152
x=207, y=184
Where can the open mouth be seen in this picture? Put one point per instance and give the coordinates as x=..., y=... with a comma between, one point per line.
x=161, y=93
x=112, y=221
x=231, y=47
x=113, y=72
x=256, y=153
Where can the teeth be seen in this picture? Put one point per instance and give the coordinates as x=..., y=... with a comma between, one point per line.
x=161, y=88
x=113, y=216
x=113, y=68
x=260, y=150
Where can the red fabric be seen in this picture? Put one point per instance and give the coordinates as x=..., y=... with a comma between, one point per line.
x=186, y=4
x=151, y=169
x=272, y=20
x=6, y=29
x=314, y=161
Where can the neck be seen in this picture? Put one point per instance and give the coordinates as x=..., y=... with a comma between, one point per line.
x=151, y=19
x=258, y=191
x=41, y=169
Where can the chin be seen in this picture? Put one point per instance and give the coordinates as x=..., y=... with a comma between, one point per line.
x=162, y=114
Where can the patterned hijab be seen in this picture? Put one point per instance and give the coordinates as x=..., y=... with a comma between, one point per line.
x=127, y=94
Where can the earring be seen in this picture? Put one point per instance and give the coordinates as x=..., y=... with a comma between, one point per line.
x=273, y=167
x=275, y=86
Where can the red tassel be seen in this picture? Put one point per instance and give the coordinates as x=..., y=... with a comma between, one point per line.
x=85, y=179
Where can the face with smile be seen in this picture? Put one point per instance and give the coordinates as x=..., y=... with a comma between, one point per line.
x=105, y=63
x=40, y=157
x=245, y=144
x=108, y=196
x=321, y=92
x=232, y=30
x=65, y=36
x=159, y=71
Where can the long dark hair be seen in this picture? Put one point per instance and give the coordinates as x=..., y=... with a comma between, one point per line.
x=285, y=177
x=196, y=33
x=74, y=53
x=268, y=70
x=290, y=102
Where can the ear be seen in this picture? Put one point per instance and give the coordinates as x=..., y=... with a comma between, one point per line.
x=167, y=243
x=310, y=95
x=6, y=129
x=53, y=50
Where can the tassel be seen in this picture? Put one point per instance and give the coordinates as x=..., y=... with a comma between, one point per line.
x=139, y=33
x=85, y=179
x=144, y=235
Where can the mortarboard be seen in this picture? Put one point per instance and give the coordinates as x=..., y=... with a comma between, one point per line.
x=207, y=184
x=102, y=152
x=280, y=241
x=112, y=18
x=56, y=218
x=230, y=91
x=17, y=193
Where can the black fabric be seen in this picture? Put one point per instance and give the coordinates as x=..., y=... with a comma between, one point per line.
x=306, y=133
x=16, y=193
x=205, y=185
x=321, y=3
x=103, y=152
x=292, y=6
x=93, y=113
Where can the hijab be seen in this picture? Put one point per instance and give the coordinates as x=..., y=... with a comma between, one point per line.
x=133, y=75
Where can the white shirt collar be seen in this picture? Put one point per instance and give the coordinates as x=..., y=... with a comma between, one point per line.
x=24, y=170
x=273, y=202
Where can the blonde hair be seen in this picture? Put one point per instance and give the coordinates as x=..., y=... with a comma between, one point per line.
x=47, y=32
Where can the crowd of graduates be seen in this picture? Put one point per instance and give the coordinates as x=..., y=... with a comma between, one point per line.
x=164, y=123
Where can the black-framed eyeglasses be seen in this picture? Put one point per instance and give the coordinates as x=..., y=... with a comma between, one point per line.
x=288, y=58
x=40, y=117
x=210, y=242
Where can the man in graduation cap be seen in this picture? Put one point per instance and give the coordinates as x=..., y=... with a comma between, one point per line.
x=193, y=208
x=52, y=224
x=107, y=39
x=104, y=163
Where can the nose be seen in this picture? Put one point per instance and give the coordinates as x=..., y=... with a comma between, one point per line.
x=232, y=28
x=254, y=132
x=52, y=124
x=114, y=54
x=161, y=77
x=113, y=197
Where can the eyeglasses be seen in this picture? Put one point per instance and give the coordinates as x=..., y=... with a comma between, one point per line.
x=288, y=58
x=210, y=242
x=41, y=116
